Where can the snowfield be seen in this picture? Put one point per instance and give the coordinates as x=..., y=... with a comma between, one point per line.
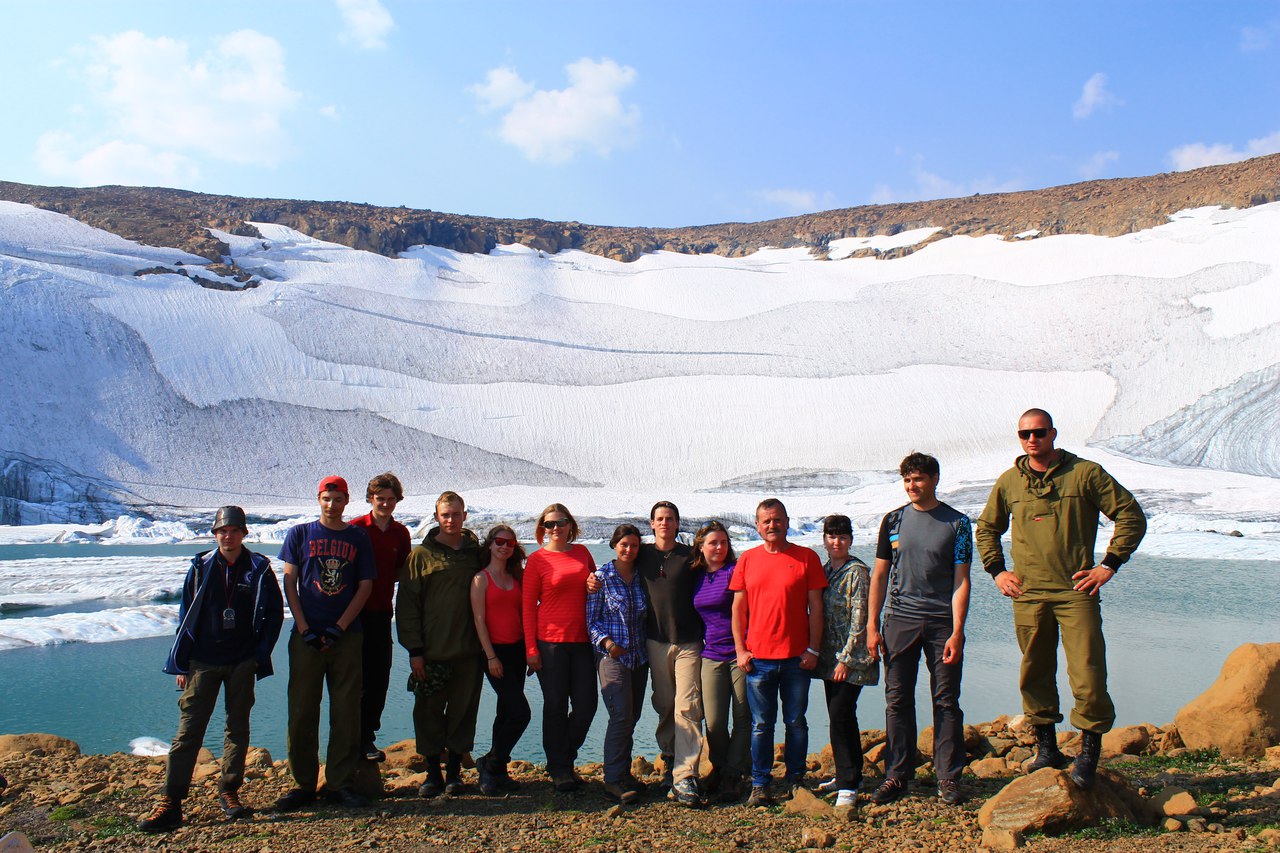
x=519, y=378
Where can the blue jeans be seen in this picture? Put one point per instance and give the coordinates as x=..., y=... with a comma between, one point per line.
x=768, y=679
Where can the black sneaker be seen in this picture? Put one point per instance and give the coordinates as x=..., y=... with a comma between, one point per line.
x=949, y=792
x=371, y=752
x=231, y=805
x=165, y=817
x=890, y=789
x=295, y=799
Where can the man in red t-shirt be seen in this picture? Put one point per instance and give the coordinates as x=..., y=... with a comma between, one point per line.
x=777, y=627
x=391, y=545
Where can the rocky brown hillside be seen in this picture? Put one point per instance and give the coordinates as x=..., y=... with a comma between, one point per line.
x=1154, y=795
x=177, y=218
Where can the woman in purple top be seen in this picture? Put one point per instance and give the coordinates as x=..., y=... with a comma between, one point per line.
x=724, y=686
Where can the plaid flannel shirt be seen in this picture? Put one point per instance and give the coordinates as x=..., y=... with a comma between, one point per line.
x=616, y=612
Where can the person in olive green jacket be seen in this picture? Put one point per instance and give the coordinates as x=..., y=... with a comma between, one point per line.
x=1054, y=499
x=433, y=618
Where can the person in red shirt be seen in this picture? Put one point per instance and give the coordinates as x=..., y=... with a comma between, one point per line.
x=391, y=545
x=557, y=646
x=777, y=629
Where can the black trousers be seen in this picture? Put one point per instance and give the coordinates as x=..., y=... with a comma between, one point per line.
x=568, y=676
x=511, y=716
x=846, y=739
x=375, y=668
x=904, y=640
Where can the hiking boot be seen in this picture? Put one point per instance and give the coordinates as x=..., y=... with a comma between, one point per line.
x=890, y=789
x=631, y=783
x=165, y=817
x=1047, y=752
x=619, y=793
x=295, y=799
x=1085, y=767
x=686, y=792
x=434, y=786
x=231, y=805
x=453, y=784
x=759, y=796
x=846, y=797
x=371, y=752
x=566, y=782
x=949, y=792
x=488, y=779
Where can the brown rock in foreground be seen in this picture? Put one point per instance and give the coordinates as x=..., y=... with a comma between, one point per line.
x=1239, y=715
x=1048, y=801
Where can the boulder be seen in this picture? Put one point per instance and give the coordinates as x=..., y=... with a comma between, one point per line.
x=1048, y=801
x=16, y=842
x=815, y=838
x=10, y=744
x=1272, y=756
x=998, y=838
x=803, y=802
x=1270, y=836
x=1174, y=801
x=924, y=742
x=1239, y=715
x=991, y=768
x=871, y=737
x=826, y=762
x=405, y=754
x=1126, y=740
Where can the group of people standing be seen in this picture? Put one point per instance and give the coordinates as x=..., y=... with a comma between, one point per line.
x=718, y=640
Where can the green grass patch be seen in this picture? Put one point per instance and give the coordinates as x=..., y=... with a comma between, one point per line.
x=1112, y=828
x=66, y=813
x=1193, y=761
x=110, y=826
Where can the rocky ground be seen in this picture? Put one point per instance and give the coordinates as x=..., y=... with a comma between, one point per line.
x=62, y=800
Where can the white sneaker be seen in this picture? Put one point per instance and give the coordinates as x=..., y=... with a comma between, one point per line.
x=846, y=797
x=830, y=786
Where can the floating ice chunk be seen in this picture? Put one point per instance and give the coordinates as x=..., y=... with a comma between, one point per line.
x=148, y=745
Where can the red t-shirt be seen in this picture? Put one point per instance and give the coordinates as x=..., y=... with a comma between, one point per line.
x=502, y=615
x=777, y=587
x=390, y=548
x=555, y=596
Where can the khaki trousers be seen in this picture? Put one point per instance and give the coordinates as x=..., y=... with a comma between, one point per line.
x=309, y=672
x=677, y=697
x=1076, y=618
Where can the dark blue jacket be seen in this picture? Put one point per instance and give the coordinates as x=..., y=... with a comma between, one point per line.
x=268, y=611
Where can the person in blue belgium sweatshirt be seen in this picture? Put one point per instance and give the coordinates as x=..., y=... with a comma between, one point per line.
x=228, y=623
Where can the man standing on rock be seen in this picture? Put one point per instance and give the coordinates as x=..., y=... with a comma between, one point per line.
x=328, y=575
x=391, y=545
x=922, y=571
x=777, y=629
x=1054, y=499
x=228, y=623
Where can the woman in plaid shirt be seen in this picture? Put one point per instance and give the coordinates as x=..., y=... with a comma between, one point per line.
x=615, y=621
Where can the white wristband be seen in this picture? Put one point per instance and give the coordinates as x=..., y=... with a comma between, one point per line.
x=813, y=652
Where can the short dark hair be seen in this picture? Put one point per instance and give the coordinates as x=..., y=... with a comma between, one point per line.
x=921, y=463
x=771, y=503
x=700, y=562
x=540, y=531
x=1038, y=413
x=837, y=525
x=385, y=480
x=622, y=531
x=653, y=511
x=515, y=565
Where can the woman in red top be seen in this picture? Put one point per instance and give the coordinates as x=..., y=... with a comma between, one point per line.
x=496, y=607
x=556, y=642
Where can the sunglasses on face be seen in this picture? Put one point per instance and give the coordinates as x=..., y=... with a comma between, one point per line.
x=553, y=523
x=1039, y=432
x=504, y=542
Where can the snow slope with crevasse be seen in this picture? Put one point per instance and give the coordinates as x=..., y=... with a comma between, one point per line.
x=517, y=377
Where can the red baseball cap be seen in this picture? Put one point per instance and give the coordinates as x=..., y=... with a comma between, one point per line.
x=333, y=484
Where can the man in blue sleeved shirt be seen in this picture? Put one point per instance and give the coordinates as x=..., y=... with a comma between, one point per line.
x=228, y=623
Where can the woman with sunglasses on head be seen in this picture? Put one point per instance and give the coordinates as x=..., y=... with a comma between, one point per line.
x=557, y=646
x=616, y=623
x=724, y=686
x=496, y=607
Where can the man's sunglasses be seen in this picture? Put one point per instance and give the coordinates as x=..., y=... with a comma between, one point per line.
x=1039, y=432
x=504, y=542
x=553, y=523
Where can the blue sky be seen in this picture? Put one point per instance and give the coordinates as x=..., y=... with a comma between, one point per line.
x=630, y=113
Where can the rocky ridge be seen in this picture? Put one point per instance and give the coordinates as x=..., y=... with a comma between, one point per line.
x=1172, y=798
x=181, y=219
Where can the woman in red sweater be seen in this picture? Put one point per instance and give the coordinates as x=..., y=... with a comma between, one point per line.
x=555, y=635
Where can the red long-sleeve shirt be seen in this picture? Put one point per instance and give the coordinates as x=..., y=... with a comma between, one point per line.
x=555, y=596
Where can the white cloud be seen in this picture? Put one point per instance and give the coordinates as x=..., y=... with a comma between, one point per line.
x=930, y=186
x=1258, y=39
x=1197, y=154
x=501, y=88
x=1098, y=164
x=368, y=23
x=149, y=99
x=555, y=125
x=1094, y=96
x=329, y=111
x=797, y=201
